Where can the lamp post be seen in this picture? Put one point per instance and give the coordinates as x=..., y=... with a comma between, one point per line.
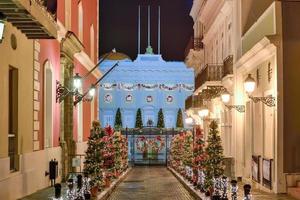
x=249, y=86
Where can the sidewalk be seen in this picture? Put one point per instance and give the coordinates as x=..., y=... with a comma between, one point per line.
x=256, y=194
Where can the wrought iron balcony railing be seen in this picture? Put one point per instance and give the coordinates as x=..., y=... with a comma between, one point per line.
x=194, y=101
x=228, y=65
x=211, y=72
x=35, y=18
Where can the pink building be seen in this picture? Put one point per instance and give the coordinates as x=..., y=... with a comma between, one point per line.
x=44, y=41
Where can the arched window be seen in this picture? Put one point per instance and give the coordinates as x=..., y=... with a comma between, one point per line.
x=80, y=21
x=92, y=43
x=48, y=104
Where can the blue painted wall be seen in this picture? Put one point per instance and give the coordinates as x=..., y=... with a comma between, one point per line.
x=152, y=71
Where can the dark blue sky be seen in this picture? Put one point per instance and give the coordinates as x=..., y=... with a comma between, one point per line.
x=119, y=20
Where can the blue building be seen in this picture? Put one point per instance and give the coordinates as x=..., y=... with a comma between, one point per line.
x=148, y=83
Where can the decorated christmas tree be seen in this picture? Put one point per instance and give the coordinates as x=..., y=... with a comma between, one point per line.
x=118, y=119
x=179, y=122
x=93, y=160
x=139, y=121
x=160, y=120
x=214, y=166
x=198, y=154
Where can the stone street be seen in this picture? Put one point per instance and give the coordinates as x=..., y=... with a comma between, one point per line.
x=150, y=183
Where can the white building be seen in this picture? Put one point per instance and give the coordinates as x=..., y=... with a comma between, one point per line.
x=258, y=129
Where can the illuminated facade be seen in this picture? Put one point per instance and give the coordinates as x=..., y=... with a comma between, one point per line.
x=258, y=134
x=148, y=83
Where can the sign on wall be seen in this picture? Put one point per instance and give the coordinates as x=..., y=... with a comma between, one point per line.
x=255, y=168
x=267, y=173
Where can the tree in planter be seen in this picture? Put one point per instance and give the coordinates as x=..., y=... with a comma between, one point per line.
x=214, y=166
x=118, y=119
x=160, y=120
x=179, y=122
x=138, y=120
x=93, y=161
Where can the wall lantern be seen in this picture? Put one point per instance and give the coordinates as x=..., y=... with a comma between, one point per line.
x=62, y=91
x=2, y=26
x=249, y=86
x=225, y=96
x=189, y=120
x=203, y=112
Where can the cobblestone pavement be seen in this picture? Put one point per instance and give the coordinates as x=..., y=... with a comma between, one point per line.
x=150, y=183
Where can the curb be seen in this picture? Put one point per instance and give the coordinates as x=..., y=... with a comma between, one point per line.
x=188, y=186
x=108, y=191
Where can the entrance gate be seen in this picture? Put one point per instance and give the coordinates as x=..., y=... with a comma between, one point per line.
x=149, y=146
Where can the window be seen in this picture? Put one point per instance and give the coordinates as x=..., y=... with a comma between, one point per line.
x=92, y=43
x=48, y=103
x=80, y=21
x=13, y=119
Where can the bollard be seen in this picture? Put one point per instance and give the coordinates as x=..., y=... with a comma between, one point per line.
x=57, y=190
x=247, y=192
x=234, y=189
x=79, y=181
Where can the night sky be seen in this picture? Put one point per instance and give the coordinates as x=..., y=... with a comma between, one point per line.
x=119, y=26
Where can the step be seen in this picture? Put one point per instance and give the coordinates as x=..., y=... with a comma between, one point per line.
x=294, y=192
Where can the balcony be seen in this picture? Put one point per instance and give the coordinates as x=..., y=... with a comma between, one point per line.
x=228, y=66
x=35, y=18
x=210, y=73
x=194, y=53
x=194, y=101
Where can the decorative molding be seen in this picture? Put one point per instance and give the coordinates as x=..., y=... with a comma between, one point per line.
x=71, y=45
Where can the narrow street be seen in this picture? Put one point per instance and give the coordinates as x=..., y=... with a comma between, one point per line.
x=150, y=183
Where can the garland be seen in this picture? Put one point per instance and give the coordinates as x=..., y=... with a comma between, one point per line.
x=131, y=87
x=149, y=86
x=170, y=88
x=128, y=87
x=108, y=86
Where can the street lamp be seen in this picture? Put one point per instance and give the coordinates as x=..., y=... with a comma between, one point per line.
x=203, y=112
x=92, y=91
x=226, y=98
x=2, y=26
x=249, y=86
x=77, y=81
x=189, y=120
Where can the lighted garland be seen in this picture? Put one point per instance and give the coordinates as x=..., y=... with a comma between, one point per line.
x=131, y=87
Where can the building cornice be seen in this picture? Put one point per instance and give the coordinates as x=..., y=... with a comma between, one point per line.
x=260, y=52
x=81, y=56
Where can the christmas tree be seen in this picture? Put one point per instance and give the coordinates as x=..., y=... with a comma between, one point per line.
x=179, y=122
x=199, y=154
x=214, y=166
x=118, y=119
x=93, y=160
x=160, y=121
x=188, y=149
x=138, y=121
